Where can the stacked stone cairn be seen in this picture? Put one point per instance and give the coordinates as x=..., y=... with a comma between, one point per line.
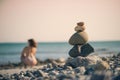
x=81, y=50
x=79, y=41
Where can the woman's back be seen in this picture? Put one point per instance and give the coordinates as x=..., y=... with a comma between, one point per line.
x=28, y=51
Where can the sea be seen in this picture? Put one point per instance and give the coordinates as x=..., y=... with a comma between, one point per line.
x=11, y=52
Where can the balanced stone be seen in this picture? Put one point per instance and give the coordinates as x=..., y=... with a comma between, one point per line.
x=78, y=38
x=85, y=50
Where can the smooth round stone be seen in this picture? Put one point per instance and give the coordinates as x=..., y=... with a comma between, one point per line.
x=12, y=77
x=29, y=74
x=101, y=75
x=41, y=73
x=16, y=75
x=66, y=77
x=80, y=70
x=24, y=78
x=89, y=71
x=84, y=51
x=61, y=60
x=116, y=77
x=78, y=38
x=49, y=65
x=70, y=72
x=53, y=73
x=1, y=75
x=101, y=65
x=52, y=78
x=69, y=68
x=22, y=73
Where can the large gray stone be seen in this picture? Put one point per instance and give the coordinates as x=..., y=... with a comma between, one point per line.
x=102, y=75
x=78, y=38
x=80, y=70
x=85, y=50
x=90, y=61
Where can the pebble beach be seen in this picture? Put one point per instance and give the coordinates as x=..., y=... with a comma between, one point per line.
x=51, y=69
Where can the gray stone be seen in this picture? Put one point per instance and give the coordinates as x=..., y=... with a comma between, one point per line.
x=71, y=72
x=78, y=38
x=87, y=62
x=61, y=60
x=85, y=50
x=89, y=71
x=80, y=70
x=53, y=73
x=118, y=54
x=49, y=65
x=102, y=75
x=29, y=74
x=41, y=73
x=24, y=78
x=65, y=77
x=16, y=75
x=69, y=68
x=116, y=77
x=52, y=78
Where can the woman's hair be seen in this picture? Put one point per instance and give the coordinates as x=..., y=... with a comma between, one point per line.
x=32, y=43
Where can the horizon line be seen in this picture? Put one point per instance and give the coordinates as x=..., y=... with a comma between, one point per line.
x=62, y=41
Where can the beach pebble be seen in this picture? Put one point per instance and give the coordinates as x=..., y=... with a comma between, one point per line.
x=49, y=65
x=80, y=70
x=24, y=78
x=69, y=68
x=1, y=76
x=89, y=71
x=16, y=76
x=61, y=60
x=116, y=77
x=53, y=77
x=105, y=59
x=53, y=73
x=101, y=65
x=102, y=75
x=29, y=74
x=71, y=72
x=41, y=73
x=65, y=77
x=59, y=69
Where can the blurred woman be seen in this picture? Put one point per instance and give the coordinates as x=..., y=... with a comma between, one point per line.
x=28, y=53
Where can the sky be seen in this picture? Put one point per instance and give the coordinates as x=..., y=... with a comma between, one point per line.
x=54, y=20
